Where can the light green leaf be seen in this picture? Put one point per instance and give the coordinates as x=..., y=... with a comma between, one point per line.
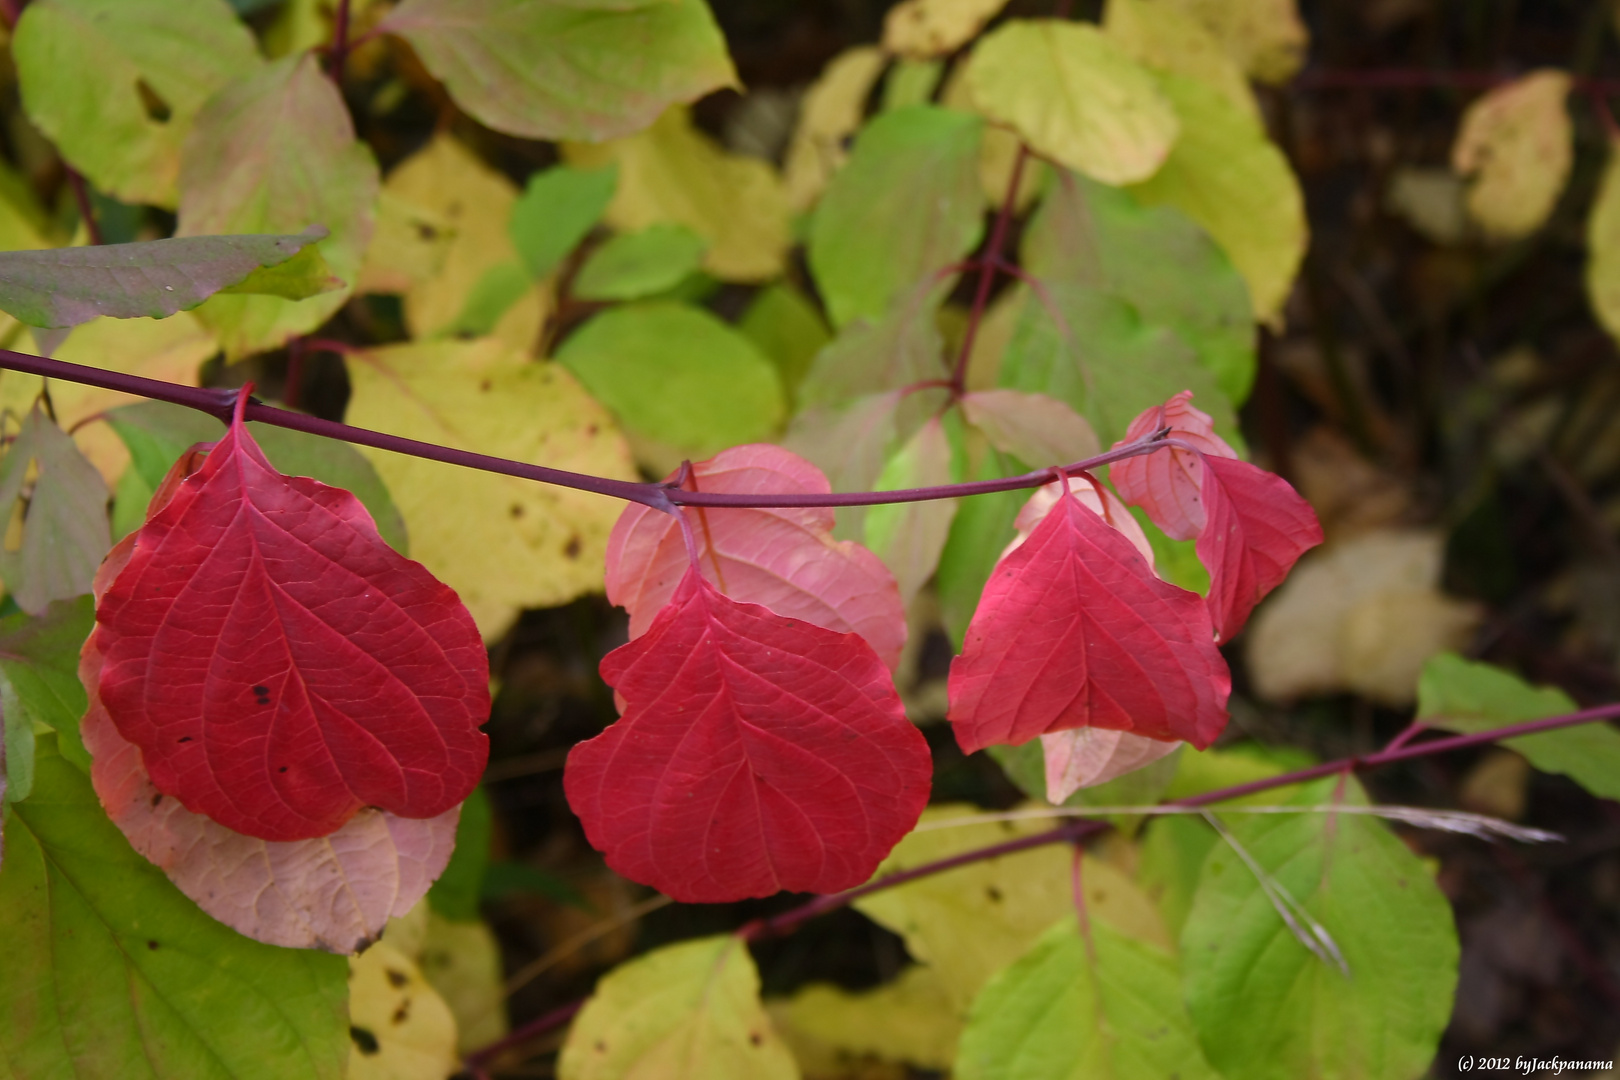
x=676, y=375
x=557, y=208
x=1176, y=561
x=39, y=659
x=634, y=265
x=157, y=433
x=900, y=348
x=689, y=1011
x=1073, y=96
x=60, y=287
x=497, y=290
x=16, y=750
x=63, y=516
x=919, y=29
x=1162, y=37
x=1093, y=351
x=905, y=206
x=911, y=82
x=1158, y=260
x=1603, y=245
x=1227, y=176
x=788, y=329
x=456, y=892
x=273, y=153
x=462, y=961
x=558, y=69
x=116, y=84
x=1036, y=429
x=111, y=972
x=1264, y=1006
x=980, y=532
x=1074, y=1009
x=1464, y=696
x=911, y=1019
x=1025, y=766
x=909, y=537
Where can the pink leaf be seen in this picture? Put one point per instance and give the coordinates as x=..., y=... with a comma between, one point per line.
x=756, y=753
x=1099, y=500
x=785, y=560
x=334, y=892
x=1168, y=483
x=1085, y=757
x=280, y=666
x=1258, y=528
x=1075, y=631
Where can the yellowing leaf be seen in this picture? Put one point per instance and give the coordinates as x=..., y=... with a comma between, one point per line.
x=1227, y=176
x=1517, y=144
x=462, y=961
x=171, y=349
x=920, y=29
x=445, y=182
x=1266, y=37
x=1074, y=96
x=117, y=83
x=672, y=172
x=971, y=922
x=912, y=1019
x=998, y=152
x=1036, y=429
x=502, y=543
x=275, y=153
x=399, y=1027
x=408, y=246
x=1603, y=246
x=830, y=113
x=683, y=1012
x=1165, y=38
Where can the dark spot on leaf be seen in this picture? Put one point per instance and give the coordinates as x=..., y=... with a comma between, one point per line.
x=364, y=1040
x=396, y=979
x=601, y=1047
x=573, y=547
x=517, y=511
x=152, y=945
x=453, y=209
x=185, y=738
x=403, y=1013
x=282, y=769
x=754, y=1039
x=993, y=893
x=156, y=799
x=486, y=386
x=261, y=690
x=590, y=429
x=156, y=108
x=424, y=231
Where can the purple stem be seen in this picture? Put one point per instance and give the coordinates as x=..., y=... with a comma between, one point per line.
x=10, y=12
x=987, y=271
x=538, y=1026
x=81, y=196
x=340, y=41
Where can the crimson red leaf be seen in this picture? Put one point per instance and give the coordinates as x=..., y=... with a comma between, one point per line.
x=756, y=753
x=1258, y=528
x=782, y=559
x=1075, y=631
x=279, y=665
x=1168, y=483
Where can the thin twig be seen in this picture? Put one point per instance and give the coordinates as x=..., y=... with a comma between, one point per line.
x=575, y=942
x=987, y=270
x=340, y=41
x=87, y=211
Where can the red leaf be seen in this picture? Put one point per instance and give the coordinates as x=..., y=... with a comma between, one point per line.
x=782, y=559
x=280, y=666
x=1075, y=631
x=1168, y=483
x=756, y=753
x=1258, y=528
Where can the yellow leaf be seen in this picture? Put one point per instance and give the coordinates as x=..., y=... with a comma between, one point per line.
x=1603, y=246
x=683, y=1012
x=501, y=542
x=399, y=1027
x=1267, y=38
x=1227, y=176
x=1161, y=37
x=912, y=1019
x=171, y=349
x=921, y=29
x=969, y=923
x=672, y=172
x=446, y=183
x=829, y=115
x=408, y=246
x=998, y=152
x=1517, y=145
x=463, y=962
x=1074, y=96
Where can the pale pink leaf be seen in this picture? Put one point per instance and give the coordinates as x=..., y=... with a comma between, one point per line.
x=1168, y=483
x=1034, y=428
x=1099, y=500
x=1085, y=757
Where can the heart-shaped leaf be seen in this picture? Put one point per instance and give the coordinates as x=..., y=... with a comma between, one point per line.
x=755, y=753
x=1258, y=528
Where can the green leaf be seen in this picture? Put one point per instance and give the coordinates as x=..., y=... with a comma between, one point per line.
x=905, y=206
x=273, y=153
x=489, y=299
x=634, y=265
x=788, y=329
x=689, y=1011
x=1072, y=1009
x=909, y=537
x=911, y=82
x=1095, y=352
x=60, y=287
x=677, y=376
x=456, y=893
x=65, y=532
x=1157, y=259
x=39, y=658
x=980, y=532
x=117, y=84
x=889, y=353
x=1025, y=766
x=557, y=208
x=110, y=971
x=157, y=433
x=1227, y=176
x=559, y=69
x=1468, y=697
x=16, y=750
x=1264, y=1005
x=1074, y=97
x=1176, y=561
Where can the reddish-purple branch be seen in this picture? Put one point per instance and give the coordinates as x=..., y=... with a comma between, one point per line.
x=340, y=41
x=538, y=1026
x=87, y=210
x=987, y=270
